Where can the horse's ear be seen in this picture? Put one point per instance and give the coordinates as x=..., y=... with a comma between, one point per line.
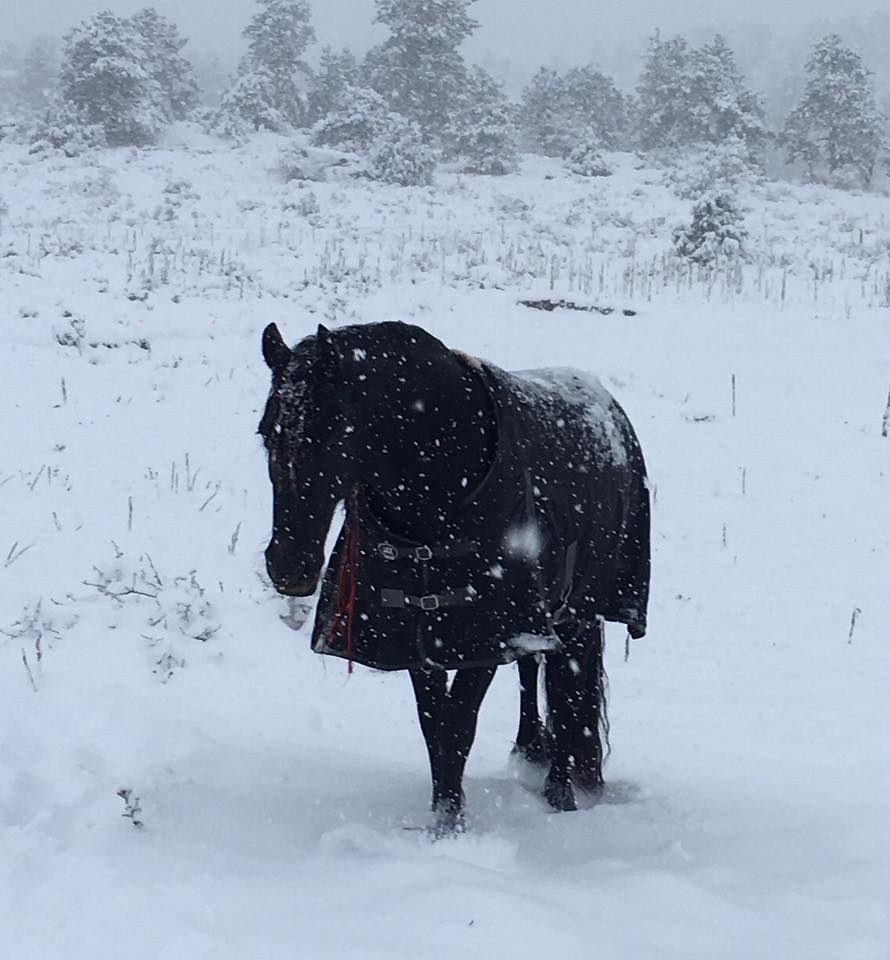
x=276, y=352
x=326, y=349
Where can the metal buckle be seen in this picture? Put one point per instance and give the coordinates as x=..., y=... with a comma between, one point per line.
x=429, y=602
x=423, y=553
x=387, y=551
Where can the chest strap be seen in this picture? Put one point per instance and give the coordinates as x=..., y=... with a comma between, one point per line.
x=442, y=551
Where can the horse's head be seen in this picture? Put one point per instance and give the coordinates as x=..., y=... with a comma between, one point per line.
x=308, y=432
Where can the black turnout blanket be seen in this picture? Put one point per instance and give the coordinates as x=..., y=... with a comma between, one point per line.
x=558, y=531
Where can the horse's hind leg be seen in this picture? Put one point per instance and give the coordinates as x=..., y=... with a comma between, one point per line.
x=564, y=691
x=588, y=748
x=531, y=739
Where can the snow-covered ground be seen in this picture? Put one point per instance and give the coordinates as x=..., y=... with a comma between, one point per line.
x=142, y=648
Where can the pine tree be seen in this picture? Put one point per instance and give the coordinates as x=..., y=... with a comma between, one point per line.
x=592, y=102
x=248, y=104
x=213, y=77
x=687, y=95
x=558, y=111
x=106, y=77
x=542, y=114
x=483, y=134
x=664, y=95
x=716, y=230
x=418, y=69
x=336, y=72
x=277, y=38
x=837, y=123
x=168, y=68
x=39, y=73
x=721, y=104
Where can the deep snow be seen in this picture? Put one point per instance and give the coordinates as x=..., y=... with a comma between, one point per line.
x=747, y=809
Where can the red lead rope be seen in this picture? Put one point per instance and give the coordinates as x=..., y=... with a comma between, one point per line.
x=347, y=584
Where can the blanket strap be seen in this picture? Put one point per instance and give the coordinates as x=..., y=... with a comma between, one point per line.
x=432, y=601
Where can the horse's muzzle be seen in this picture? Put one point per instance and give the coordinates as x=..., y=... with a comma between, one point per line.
x=295, y=588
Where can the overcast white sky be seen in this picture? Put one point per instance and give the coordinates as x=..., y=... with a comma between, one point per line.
x=528, y=32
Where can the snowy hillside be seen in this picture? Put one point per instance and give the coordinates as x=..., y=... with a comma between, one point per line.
x=142, y=649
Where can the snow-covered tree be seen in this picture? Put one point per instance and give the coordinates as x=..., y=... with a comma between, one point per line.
x=248, y=104
x=557, y=111
x=687, y=95
x=664, y=96
x=542, y=116
x=166, y=64
x=106, y=76
x=358, y=118
x=593, y=102
x=38, y=79
x=10, y=72
x=716, y=230
x=483, y=134
x=837, y=123
x=418, y=69
x=213, y=77
x=721, y=103
x=336, y=72
x=400, y=156
x=277, y=38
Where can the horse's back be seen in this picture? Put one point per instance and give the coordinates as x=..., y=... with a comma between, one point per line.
x=590, y=479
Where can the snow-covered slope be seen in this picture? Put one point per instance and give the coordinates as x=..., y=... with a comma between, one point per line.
x=143, y=650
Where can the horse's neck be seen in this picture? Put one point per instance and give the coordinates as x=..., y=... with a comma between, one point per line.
x=435, y=437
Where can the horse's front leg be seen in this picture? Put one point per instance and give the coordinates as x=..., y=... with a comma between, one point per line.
x=430, y=692
x=456, y=735
x=531, y=739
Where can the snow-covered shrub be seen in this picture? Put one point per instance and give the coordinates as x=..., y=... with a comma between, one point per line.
x=65, y=129
x=716, y=230
x=299, y=162
x=354, y=124
x=178, y=191
x=224, y=123
x=304, y=205
x=172, y=614
x=716, y=168
x=585, y=158
x=400, y=156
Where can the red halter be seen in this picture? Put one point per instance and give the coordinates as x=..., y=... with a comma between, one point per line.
x=347, y=584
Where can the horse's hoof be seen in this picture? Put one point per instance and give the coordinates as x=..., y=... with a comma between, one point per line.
x=448, y=821
x=588, y=780
x=560, y=796
x=536, y=751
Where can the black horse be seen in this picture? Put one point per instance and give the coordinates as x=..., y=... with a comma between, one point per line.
x=490, y=517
